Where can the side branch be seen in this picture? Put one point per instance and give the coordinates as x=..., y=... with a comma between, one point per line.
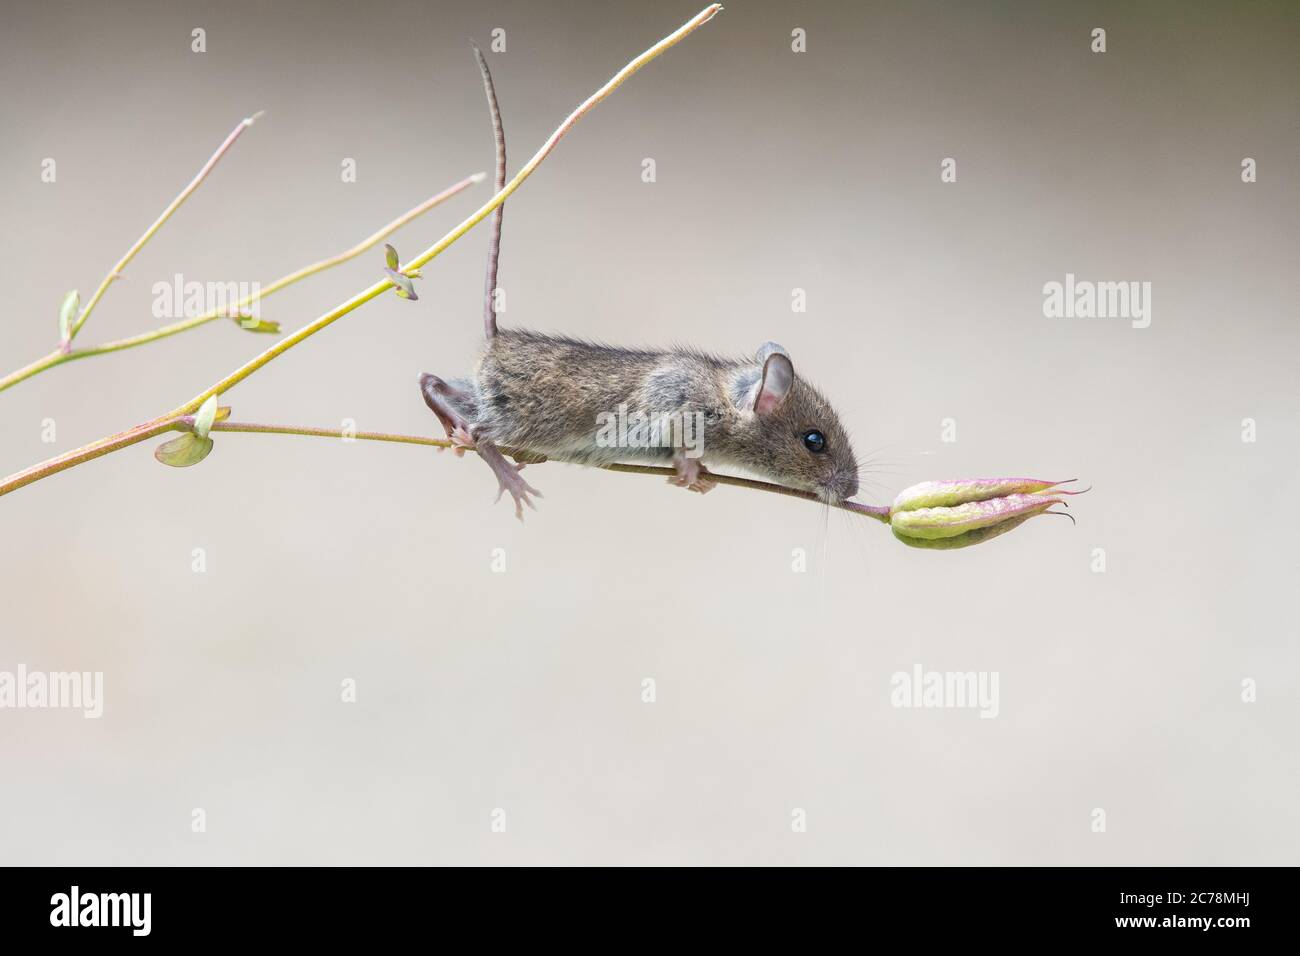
x=175, y=204
x=61, y=357
x=329, y=318
x=79, y=456
x=184, y=423
x=879, y=512
x=178, y=419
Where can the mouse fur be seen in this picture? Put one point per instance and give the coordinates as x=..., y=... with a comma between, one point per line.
x=545, y=393
x=538, y=396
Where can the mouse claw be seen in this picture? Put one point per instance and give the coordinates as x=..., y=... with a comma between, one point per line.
x=691, y=475
x=520, y=491
x=461, y=441
x=509, y=479
x=700, y=485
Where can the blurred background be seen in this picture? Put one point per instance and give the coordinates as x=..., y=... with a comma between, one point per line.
x=482, y=690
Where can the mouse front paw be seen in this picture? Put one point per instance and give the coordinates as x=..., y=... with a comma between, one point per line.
x=691, y=475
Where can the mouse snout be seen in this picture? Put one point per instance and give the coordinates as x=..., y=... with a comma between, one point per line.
x=843, y=484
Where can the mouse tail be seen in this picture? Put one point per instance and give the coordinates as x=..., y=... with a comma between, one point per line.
x=494, y=238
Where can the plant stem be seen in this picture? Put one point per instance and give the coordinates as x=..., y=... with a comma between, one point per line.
x=59, y=357
x=879, y=512
x=234, y=378
x=175, y=204
x=176, y=419
x=79, y=456
x=144, y=432
x=328, y=433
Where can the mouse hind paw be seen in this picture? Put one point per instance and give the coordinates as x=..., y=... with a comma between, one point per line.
x=461, y=441
x=520, y=491
x=508, y=477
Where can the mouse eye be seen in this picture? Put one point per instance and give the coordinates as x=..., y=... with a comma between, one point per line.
x=814, y=441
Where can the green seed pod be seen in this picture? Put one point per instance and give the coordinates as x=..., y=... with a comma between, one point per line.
x=959, y=513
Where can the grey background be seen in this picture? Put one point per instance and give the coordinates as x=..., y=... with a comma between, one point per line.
x=521, y=690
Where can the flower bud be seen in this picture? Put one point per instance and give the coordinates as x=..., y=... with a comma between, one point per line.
x=68, y=312
x=959, y=513
x=402, y=280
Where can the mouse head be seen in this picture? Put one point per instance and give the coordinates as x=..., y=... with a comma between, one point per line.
x=795, y=435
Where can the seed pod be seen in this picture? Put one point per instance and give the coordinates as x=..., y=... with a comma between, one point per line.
x=959, y=513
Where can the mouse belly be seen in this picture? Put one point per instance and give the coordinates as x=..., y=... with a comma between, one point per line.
x=587, y=447
x=571, y=432
x=591, y=404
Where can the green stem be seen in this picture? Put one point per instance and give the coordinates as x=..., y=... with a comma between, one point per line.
x=59, y=357
x=175, y=204
x=175, y=418
x=254, y=428
x=329, y=318
x=879, y=512
x=147, y=430
x=96, y=449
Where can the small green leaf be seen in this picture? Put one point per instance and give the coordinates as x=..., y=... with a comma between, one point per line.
x=205, y=416
x=251, y=323
x=188, y=449
x=405, y=288
x=68, y=314
x=390, y=257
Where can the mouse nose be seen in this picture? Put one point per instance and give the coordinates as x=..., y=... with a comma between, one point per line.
x=845, y=484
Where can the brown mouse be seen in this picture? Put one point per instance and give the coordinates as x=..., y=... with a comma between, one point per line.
x=553, y=397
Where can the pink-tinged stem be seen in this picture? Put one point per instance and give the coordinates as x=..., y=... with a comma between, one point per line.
x=175, y=204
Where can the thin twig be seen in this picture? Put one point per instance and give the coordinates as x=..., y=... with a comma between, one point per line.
x=149, y=430
x=175, y=204
x=79, y=456
x=60, y=357
x=172, y=420
x=361, y=298
x=880, y=513
x=258, y=429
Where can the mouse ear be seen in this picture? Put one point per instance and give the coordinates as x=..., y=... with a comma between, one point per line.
x=778, y=376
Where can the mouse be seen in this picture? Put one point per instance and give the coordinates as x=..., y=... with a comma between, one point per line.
x=546, y=397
